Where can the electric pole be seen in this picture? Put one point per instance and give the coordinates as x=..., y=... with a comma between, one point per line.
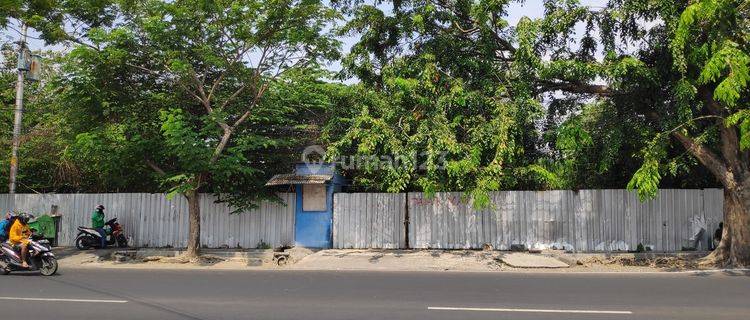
x=18, y=118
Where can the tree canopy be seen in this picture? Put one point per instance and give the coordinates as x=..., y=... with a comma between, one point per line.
x=546, y=103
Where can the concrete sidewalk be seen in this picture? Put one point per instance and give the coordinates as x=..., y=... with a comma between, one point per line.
x=381, y=260
x=164, y=258
x=528, y=260
x=303, y=259
x=423, y=260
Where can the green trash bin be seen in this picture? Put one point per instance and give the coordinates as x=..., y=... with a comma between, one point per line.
x=46, y=226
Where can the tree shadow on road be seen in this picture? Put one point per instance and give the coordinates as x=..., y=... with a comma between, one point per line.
x=732, y=273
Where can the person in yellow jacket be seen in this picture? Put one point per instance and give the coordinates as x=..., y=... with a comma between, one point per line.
x=19, y=236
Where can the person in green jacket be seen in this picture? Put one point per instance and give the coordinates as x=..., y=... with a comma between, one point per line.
x=97, y=222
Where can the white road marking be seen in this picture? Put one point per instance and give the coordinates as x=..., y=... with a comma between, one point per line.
x=64, y=300
x=531, y=310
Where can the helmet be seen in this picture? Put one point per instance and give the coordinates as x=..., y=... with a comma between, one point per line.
x=100, y=207
x=24, y=218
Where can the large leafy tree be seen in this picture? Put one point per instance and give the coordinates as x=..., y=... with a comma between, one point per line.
x=444, y=98
x=481, y=103
x=667, y=78
x=195, y=89
x=707, y=109
x=676, y=70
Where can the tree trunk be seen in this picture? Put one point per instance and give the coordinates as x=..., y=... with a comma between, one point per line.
x=720, y=255
x=194, y=218
x=739, y=232
x=734, y=248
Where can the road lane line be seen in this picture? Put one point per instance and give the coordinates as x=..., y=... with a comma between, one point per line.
x=64, y=300
x=530, y=310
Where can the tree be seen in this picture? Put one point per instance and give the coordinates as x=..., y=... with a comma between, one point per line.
x=666, y=71
x=55, y=21
x=193, y=87
x=496, y=97
x=40, y=142
x=710, y=50
x=685, y=83
x=440, y=96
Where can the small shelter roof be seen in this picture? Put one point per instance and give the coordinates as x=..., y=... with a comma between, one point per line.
x=293, y=178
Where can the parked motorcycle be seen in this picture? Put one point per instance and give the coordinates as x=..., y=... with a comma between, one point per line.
x=40, y=257
x=88, y=238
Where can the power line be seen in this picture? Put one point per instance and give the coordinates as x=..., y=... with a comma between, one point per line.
x=22, y=34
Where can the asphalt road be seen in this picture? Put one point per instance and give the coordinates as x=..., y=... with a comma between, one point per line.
x=166, y=294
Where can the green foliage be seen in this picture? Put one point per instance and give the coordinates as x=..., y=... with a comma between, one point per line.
x=530, y=106
x=441, y=133
x=60, y=20
x=452, y=97
x=198, y=86
x=741, y=119
x=124, y=114
x=56, y=155
x=184, y=140
x=572, y=136
x=646, y=179
x=263, y=245
x=731, y=64
x=441, y=103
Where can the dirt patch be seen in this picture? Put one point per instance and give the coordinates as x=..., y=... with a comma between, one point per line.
x=298, y=253
x=677, y=263
x=200, y=260
x=153, y=259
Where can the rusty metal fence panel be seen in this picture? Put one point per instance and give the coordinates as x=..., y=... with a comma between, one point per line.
x=586, y=220
x=153, y=220
x=369, y=220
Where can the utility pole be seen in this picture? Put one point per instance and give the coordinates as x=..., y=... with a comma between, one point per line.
x=17, y=120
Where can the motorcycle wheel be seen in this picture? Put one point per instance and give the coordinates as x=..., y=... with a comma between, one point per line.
x=84, y=243
x=49, y=266
x=122, y=241
x=4, y=267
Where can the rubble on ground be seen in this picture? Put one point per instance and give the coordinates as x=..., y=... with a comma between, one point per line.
x=658, y=262
x=297, y=253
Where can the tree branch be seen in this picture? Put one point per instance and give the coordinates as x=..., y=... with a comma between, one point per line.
x=709, y=159
x=233, y=96
x=155, y=167
x=730, y=144
x=222, y=145
x=240, y=53
x=502, y=42
x=255, y=101
x=573, y=87
x=184, y=87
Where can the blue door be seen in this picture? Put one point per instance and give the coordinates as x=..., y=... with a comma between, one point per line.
x=313, y=216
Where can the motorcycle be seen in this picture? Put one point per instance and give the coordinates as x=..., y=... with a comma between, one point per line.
x=39, y=258
x=88, y=238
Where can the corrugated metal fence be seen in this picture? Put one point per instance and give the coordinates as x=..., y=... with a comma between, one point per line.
x=587, y=220
x=152, y=220
x=369, y=220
